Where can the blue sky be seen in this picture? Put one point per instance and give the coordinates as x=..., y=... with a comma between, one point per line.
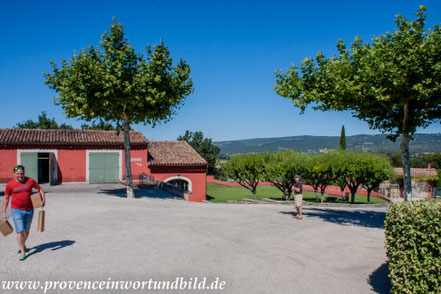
x=233, y=48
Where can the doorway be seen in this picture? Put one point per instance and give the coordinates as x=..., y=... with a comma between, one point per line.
x=41, y=166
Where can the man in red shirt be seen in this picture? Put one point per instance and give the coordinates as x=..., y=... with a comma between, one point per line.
x=20, y=190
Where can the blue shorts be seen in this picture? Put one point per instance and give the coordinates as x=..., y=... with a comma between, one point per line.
x=22, y=219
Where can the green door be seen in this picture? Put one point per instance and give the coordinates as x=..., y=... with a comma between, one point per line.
x=30, y=161
x=103, y=167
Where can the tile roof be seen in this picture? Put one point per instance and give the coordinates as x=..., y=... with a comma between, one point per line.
x=68, y=137
x=415, y=172
x=166, y=153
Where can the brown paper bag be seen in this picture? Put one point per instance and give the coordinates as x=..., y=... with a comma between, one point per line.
x=5, y=228
x=36, y=200
x=40, y=224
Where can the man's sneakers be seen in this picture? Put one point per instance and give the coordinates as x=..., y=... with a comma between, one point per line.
x=297, y=217
x=22, y=257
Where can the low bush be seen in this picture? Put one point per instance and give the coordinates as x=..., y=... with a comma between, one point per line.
x=413, y=244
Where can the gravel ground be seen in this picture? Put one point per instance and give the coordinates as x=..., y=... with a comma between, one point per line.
x=93, y=234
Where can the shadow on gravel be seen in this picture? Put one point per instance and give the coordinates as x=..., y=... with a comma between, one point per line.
x=147, y=192
x=51, y=245
x=369, y=219
x=379, y=279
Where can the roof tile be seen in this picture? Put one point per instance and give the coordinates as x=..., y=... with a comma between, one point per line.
x=415, y=172
x=68, y=137
x=166, y=153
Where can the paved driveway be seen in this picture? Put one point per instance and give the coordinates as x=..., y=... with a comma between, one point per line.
x=92, y=234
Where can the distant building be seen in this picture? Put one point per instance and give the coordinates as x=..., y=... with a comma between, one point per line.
x=93, y=156
x=422, y=186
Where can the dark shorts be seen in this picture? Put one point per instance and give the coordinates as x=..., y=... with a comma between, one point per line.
x=22, y=219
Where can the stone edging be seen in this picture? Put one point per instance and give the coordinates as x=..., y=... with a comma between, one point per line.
x=307, y=204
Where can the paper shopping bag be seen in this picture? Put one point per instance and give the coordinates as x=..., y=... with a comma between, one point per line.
x=40, y=224
x=36, y=200
x=5, y=227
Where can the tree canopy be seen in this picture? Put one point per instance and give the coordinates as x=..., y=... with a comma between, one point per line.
x=102, y=125
x=114, y=84
x=392, y=83
x=43, y=122
x=377, y=168
x=281, y=167
x=320, y=172
x=203, y=146
x=246, y=170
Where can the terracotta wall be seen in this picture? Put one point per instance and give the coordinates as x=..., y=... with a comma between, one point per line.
x=71, y=165
x=196, y=175
x=138, y=163
x=71, y=161
x=8, y=159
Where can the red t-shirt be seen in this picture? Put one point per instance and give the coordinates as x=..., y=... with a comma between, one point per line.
x=21, y=193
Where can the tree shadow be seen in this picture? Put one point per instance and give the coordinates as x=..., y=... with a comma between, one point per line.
x=51, y=245
x=360, y=218
x=208, y=197
x=142, y=192
x=379, y=279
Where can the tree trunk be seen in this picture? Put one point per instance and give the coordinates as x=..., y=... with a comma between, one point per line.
x=353, y=192
x=407, y=180
x=316, y=195
x=322, y=192
x=254, y=194
x=369, y=195
x=129, y=183
x=287, y=196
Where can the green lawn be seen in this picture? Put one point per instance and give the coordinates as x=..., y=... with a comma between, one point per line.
x=221, y=193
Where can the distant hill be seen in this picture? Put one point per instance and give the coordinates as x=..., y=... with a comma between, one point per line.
x=422, y=144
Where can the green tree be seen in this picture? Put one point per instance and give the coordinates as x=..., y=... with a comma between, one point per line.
x=281, y=168
x=376, y=169
x=340, y=167
x=418, y=162
x=393, y=83
x=357, y=166
x=319, y=173
x=247, y=170
x=433, y=159
x=342, y=139
x=203, y=146
x=395, y=159
x=114, y=84
x=323, y=166
x=43, y=123
x=102, y=125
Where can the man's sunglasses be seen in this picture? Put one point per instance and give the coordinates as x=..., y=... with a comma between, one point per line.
x=18, y=167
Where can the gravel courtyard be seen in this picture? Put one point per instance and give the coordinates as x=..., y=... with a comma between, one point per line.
x=94, y=234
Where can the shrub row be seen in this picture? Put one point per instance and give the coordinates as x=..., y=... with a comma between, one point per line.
x=413, y=243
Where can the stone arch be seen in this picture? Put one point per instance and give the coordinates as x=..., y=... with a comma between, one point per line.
x=175, y=178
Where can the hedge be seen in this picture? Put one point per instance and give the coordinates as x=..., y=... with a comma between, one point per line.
x=413, y=244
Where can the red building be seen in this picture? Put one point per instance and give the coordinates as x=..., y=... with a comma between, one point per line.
x=90, y=156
